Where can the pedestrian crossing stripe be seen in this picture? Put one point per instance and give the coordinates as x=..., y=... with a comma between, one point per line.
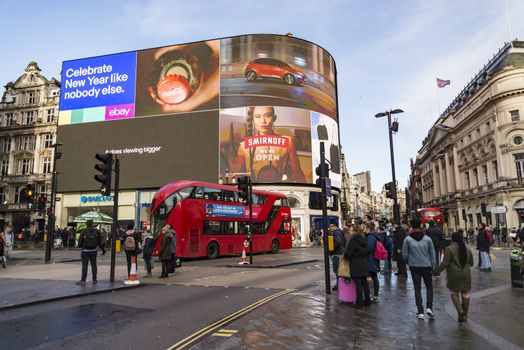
x=224, y=333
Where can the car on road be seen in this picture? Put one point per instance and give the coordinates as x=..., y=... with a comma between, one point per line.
x=272, y=68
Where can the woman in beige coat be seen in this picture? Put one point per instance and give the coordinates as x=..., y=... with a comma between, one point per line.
x=457, y=262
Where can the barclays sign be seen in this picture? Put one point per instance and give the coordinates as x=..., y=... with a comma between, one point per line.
x=96, y=199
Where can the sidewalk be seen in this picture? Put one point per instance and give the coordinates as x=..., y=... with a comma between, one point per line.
x=310, y=319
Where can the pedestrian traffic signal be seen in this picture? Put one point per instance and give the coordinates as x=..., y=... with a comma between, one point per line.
x=389, y=190
x=106, y=171
x=40, y=203
x=243, y=184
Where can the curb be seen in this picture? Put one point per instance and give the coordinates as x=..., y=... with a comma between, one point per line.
x=274, y=266
x=70, y=296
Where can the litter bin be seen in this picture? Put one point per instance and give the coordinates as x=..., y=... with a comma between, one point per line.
x=517, y=280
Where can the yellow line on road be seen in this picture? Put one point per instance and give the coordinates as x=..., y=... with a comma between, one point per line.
x=228, y=331
x=221, y=334
x=212, y=327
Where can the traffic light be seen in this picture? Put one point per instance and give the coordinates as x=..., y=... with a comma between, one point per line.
x=27, y=194
x=243, y=183
x=40, y=203
x=106, y=171
x=389, y=190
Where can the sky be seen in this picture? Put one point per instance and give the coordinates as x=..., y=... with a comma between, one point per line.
x=388, y=53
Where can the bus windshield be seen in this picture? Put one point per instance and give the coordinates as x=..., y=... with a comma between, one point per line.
x=159, y=217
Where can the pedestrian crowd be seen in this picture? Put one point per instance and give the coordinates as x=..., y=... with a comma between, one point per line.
x=361, y=249
x=134, y=244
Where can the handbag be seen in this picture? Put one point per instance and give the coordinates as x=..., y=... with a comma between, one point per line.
x=343, y=268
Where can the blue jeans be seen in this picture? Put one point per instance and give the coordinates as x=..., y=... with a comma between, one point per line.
x=335, y=260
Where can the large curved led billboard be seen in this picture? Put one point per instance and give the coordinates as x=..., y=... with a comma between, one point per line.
x=252, y=104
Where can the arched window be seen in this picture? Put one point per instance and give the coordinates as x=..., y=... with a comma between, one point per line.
x=294, y=202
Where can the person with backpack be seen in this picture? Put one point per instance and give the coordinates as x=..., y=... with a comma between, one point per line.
x=457, y=262
x=338, y=249
x=373, y=263
x=389, y=248
x=130, y=239
x=419, y=253
x=89, y=240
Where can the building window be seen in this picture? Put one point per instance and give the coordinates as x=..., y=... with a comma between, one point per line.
x=485, y=173
x=26, y=143
x=5, y=167
x=468, y=181
x=518, y=140
x=17, y=194
x=519, y=164
x=6, y=145
x=29, y=117
x=2, y=195
x=515, y=117
x=48, y=140
x=46, y=165
x=42, y=190
x=50, y=115
x=488, y=127
x=495, y=169
x=9, y=119
x=32, y=97
x=24, y=166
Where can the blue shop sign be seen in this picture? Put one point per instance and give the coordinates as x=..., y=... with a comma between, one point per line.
x=96, y=199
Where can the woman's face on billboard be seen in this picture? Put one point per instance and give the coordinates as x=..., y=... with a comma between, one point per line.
x=263, y=119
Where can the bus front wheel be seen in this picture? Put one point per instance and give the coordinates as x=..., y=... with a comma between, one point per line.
x=275, y=246
x=212, y=250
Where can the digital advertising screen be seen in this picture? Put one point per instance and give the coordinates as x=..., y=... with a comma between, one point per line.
x=251, y=104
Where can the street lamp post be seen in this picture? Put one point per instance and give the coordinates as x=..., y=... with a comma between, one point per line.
x=51, y=214
x=392, y=128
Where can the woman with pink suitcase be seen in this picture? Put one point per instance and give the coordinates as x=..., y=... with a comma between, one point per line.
x=356, y=252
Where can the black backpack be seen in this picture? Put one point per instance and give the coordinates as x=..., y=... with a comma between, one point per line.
x=91, y=238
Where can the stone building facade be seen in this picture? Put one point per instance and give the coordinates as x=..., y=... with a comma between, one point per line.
x=28, y=122
x=472, y=162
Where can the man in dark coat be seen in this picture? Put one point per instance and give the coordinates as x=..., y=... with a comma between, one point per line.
x=356, y=252
x=398, y=239
x=89, y=241
x=437, y=237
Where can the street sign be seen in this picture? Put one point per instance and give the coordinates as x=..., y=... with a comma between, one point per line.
x=328, y=187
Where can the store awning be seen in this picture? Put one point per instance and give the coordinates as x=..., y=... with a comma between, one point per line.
x=96, y=216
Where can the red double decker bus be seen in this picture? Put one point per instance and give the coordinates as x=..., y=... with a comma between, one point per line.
x=434, y=214
x=211, y=220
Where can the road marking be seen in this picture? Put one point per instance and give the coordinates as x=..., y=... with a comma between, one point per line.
x=228, y=319
x=298, y=293
x=492, y=256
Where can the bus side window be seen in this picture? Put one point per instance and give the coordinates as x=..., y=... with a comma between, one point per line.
x=228, y=196
x=212, y=194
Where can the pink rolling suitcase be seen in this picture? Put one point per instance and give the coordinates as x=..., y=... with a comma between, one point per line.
x=347, y=291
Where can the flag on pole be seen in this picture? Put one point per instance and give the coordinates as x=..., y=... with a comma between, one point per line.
x=441, y=83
